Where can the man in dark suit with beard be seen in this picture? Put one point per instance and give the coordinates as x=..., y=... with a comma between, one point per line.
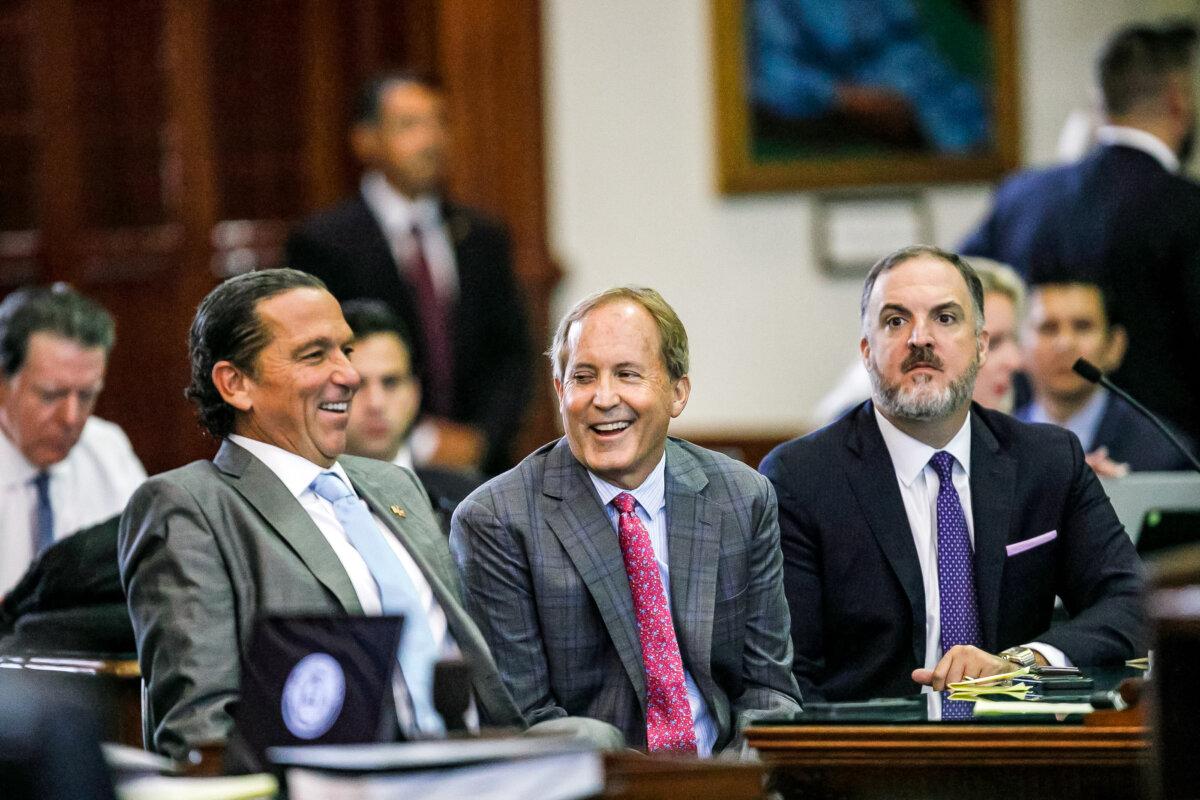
x=444, y=269
x=925, y=537
x=1123, y=217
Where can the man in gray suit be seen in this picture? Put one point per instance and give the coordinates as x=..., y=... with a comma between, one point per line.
x=621, y=575
x=281, y=522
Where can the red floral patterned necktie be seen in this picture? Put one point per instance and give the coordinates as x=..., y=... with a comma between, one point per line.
x=668, y=715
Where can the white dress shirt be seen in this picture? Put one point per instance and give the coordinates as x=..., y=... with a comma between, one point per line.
x=90, y=485
x=398, y=215
x=404, y=456
x=297, y=474
x=1142, y=140
x=919, y=485
x=652, y=511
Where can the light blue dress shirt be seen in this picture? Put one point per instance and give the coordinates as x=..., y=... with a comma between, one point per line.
x=1084, y=423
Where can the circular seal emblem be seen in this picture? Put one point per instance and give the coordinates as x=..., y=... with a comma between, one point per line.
x=313, y=695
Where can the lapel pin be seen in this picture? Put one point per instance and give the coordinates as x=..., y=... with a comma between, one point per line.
x=399, y=512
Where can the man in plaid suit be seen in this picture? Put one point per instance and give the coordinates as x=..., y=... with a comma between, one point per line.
x=619, y=574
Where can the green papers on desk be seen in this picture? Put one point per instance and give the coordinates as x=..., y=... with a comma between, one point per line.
x=236, y=787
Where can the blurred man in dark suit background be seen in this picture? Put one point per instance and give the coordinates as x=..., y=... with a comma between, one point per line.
x=444, y=269
x=1123, y=217
x=1068, y=321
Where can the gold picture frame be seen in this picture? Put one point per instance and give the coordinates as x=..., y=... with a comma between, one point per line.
x=745, y=164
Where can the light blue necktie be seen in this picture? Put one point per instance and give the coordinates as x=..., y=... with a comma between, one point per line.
x=43, y=526
x=397, y=594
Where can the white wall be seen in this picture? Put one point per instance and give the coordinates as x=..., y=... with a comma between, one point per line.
x=630, y=164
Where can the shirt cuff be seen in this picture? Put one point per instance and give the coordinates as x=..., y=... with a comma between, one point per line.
x=1053, y=656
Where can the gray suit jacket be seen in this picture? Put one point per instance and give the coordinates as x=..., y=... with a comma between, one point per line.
x=547, y=584
x=207, y=548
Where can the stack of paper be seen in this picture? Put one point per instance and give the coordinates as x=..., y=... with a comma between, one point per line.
x=987, y=708
x=1002, y=684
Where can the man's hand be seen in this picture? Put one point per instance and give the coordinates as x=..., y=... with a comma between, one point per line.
x=1104, y=466
x=961, y=661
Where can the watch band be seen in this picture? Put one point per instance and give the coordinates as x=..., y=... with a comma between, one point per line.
x=1021, y=656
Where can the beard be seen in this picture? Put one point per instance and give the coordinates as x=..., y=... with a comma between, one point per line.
x=922, y=402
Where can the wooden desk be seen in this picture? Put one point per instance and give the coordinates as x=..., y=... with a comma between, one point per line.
x=963, y=762
x=629, y=776
x=112, y=687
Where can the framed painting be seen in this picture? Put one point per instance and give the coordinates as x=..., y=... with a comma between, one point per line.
x=825, y=93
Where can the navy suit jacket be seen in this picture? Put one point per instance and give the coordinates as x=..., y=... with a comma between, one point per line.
x=852, y=577
x=1115, y=218
x=1132, y=439
x=493, y=361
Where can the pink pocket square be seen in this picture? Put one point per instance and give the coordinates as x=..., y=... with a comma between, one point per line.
x=1028, y=544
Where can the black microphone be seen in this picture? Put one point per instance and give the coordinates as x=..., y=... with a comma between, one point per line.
x=1091, y=372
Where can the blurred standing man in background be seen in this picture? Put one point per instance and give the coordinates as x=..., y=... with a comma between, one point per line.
x=444, y=269
x=61, y=469
x=1123, y=217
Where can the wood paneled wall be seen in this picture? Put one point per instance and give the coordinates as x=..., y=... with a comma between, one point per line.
x=150, y=148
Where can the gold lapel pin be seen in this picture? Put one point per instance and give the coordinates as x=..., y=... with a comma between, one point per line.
x=399, y=512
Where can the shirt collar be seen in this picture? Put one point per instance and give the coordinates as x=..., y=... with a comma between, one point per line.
x=651, y=495
x=404, y=456
x=1142, y=140
x=1083, y=423
x=910, y=456
x=393, y=210
x=296, y=472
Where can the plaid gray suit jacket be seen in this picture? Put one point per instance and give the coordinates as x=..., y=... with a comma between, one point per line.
x=546, y=583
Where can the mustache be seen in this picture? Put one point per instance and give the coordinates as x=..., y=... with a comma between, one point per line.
x=922, y=355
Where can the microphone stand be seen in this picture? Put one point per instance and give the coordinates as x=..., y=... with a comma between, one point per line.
x=1091, y=372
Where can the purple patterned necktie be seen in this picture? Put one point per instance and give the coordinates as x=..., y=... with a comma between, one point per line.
x=956, y=570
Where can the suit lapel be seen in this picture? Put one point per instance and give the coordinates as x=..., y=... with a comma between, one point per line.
x=573, y=512
x=693, y=552
x=414, y=531
x=873, y=481
x=993, y=485
x=262, y=489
